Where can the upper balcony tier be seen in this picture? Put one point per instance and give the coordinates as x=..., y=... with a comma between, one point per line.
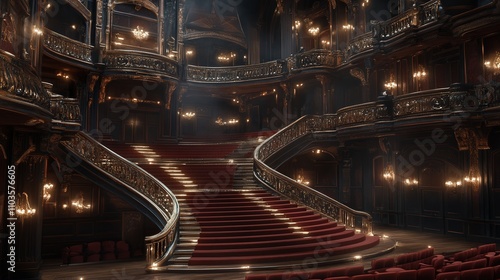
x=384, y=37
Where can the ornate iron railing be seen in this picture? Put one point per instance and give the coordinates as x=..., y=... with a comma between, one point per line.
x=162, y=201
x=272, y=69
x=361, y=43
x=313, y=58
x=399, y=24
x=430, y=11
x=141, y=61
x=67, y=47
x=421, y=102
x=362, y=113
x=296, y=191
x=21, y=83
x=66, y=113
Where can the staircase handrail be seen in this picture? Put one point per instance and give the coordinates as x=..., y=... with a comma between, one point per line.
x=159, y=247
x=359, y=220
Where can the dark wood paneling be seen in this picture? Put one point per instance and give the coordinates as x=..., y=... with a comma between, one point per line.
x=431, y=202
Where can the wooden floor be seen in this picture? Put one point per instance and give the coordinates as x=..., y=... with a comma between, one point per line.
x=408, y=241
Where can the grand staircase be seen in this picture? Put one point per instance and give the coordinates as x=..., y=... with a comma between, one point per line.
x=228, y=221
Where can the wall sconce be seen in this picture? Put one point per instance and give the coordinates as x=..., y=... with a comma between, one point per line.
x=347, y=27
x=474, y=181
x=37, y=30
x=412, y=183
x=494, y=65
x=389, y=174
x=391, y=83
x=189, y=115
x=420, y=73
x=47, y=189
x=140, y=34
x=78, y=204
x=301, y=180
x=453, y=185
x=297, y=25
x=23, y=207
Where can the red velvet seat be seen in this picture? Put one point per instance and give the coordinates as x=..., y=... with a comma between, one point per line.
x=407, y=275
x=486, y=273
x=494, y=260
x=480, y=263
x=75, y=254
x=426, y=273
x=108, y=250
x=122, y=250
x=487, y=248
x=93, y=251
x=453, y=275
x=365, y=276
x=381, y=264
x=386, y=276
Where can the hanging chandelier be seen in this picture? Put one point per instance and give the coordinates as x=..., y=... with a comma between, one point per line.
x=139, y=33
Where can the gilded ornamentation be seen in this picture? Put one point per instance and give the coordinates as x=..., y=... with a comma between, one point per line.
x=359, y=74
x=8, y=29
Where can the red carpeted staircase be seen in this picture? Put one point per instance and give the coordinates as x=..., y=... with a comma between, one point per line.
x=229, y=221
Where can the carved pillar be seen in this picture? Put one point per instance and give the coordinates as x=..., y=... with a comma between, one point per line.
x=473, y=140
x=28, y=166
x=177, y=121
x=345, y=183
x=324, y=93
x=287, y=103
x=167, y=112
x=287, y=21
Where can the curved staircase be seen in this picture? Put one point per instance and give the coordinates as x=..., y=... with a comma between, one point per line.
x=227, y=221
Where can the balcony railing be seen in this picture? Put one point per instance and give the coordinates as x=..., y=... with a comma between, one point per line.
x=430, y=12
x=425, y=104
x=422, y=102
x=273, y=69
x=136, y=181
x=66, y=113
x=314, y=58
x=399, y=24
x=361, y=43
x=67, y=47
x=21, y=83
x=296, y=191
x=142, y=62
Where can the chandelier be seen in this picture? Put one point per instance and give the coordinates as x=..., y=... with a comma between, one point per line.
x=388, y=174
x=78, y=204
x=23, y=207
x=47, y=189
x=139, y=33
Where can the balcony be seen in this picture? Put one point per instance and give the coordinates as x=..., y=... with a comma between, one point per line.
x=67, y=47
x=142, y=62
